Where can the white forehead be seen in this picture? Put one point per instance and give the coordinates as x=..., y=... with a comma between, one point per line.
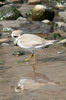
x=17, y=33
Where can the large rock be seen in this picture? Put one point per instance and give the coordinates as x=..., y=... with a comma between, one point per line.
x=9, y=13
x=28, y=27
x=40, y=13
x=36, y=27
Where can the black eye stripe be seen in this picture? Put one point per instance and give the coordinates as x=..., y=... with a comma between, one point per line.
x=15, y=36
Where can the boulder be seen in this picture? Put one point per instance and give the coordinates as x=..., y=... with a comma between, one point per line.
x=28, y=27
x=36, y=27
x=40, y=13
x=9, y=13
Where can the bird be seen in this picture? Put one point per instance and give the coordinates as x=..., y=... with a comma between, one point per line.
x=31, y=43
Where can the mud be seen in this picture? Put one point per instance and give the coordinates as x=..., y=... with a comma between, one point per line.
x=51, y=67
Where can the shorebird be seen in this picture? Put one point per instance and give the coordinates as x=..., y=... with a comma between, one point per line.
x=31, y=43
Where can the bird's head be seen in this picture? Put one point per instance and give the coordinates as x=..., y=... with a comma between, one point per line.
x=16, y=33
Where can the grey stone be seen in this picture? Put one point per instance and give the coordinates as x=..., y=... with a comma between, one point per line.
x=63, y=15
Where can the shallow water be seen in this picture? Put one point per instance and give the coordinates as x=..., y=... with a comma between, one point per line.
x=51, y=68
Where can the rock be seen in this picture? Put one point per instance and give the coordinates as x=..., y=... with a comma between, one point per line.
x=10, y=24
x=49, y=14
x=57, y=25
x=8, y=29
x=6, y=40
x=34, y=1
x=22, y=19
x=30, y=27
x=36, y=27
x=15, y=1
x=4, y=44
x=62, y=15
x=40, y=13
x=59, y=6
x=26, y=8
x=6, y=32
x=63, y=27
x=47, y=22
x=9, y=13
x=18, y=53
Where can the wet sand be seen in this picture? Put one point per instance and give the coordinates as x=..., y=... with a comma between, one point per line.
x=51, y=67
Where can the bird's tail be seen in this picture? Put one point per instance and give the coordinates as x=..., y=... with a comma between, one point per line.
x=49, y=42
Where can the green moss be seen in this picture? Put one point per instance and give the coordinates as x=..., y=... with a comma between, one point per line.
x=9, y=13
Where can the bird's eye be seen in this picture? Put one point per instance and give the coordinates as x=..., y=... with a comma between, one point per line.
x=15, y=36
